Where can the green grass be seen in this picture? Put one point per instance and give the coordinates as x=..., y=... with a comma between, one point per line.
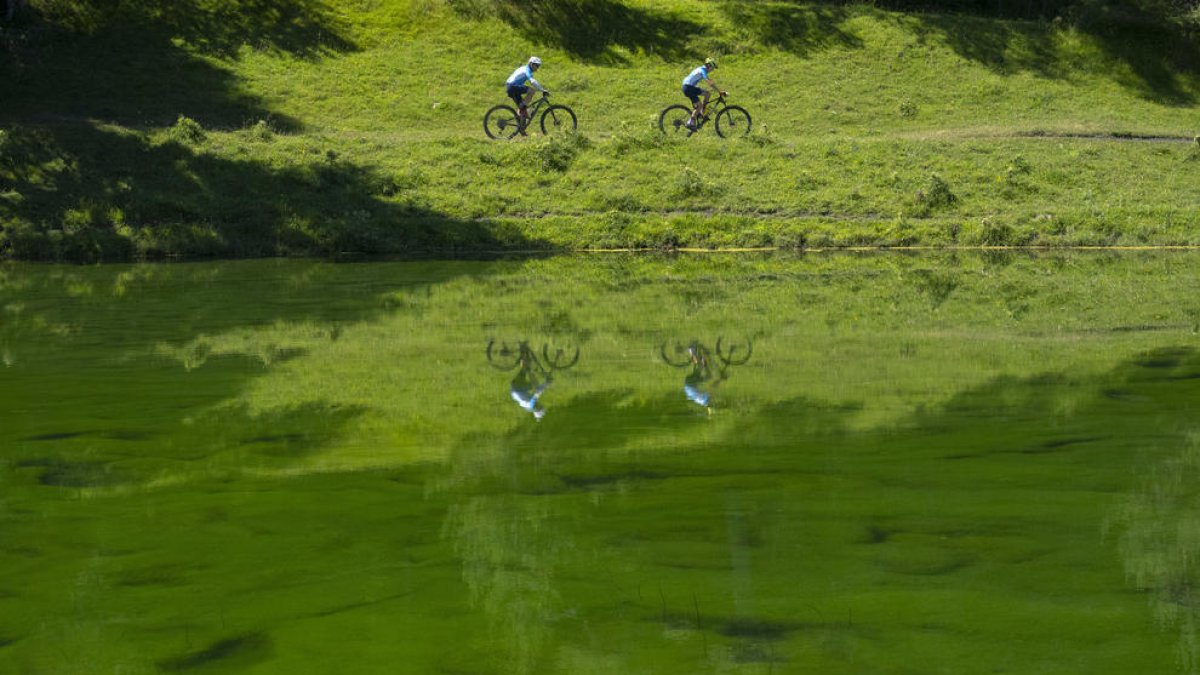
x=221, y=129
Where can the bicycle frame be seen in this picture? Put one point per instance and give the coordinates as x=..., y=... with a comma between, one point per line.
x=711, y=111
x=534, y=106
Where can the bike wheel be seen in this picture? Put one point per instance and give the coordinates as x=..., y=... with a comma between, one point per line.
x=673, y=118
x=733, y=121
x=501, y=122
x=504, y=358
x=734, y=352
x=560, y=358
x=676, y=355
x=558, y=119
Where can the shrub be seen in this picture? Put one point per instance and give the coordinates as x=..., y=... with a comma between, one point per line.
x=262, y=131
x=557, y=152
x=629, y=137
x=995, y=233
x=187, y=130
x=935, y=194
x=690, y=183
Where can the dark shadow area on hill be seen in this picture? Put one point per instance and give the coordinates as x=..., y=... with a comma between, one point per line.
x=1158, y=59
x=1158, y=55
x=591, y=30
x=1005, y=37
x=142, y=62
x=797, y=27
x=77, y=192
x=1005, y=47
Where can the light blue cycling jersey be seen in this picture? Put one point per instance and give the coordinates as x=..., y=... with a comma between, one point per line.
x=522, y=75
x=696, y=75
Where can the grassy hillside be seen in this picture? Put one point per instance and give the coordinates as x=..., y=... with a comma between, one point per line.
x=282, y=127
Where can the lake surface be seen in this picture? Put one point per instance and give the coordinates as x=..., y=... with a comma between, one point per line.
x=827, y=463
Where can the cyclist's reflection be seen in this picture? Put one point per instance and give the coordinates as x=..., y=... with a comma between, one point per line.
x=709, y=367
x=534, y=374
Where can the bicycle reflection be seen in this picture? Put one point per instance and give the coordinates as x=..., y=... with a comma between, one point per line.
x=709, y=367
x=534, y=374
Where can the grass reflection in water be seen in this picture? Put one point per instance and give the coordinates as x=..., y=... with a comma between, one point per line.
x=928, y=464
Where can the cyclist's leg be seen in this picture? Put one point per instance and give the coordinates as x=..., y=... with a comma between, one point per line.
x=693, y=94
x=516, y=93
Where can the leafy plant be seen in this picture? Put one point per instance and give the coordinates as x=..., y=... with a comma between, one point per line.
x=187, y=130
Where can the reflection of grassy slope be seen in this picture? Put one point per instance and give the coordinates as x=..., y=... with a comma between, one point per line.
x=894, y=478
x=358, y=130
x=880, y=336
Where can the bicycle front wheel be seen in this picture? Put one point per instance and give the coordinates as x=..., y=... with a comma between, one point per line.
x=501, y=122
x=673, y=118
x=733, y=121
x=558, y=119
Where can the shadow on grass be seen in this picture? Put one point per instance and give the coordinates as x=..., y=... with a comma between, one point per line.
x=86, y=193
x=1150, y=55
x=799, y=28
x=592, y=30
x=1149, y=58
x=143, y=62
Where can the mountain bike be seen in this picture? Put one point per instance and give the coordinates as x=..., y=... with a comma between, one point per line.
x=695, y=353
x=731, y=120
x=502, y=121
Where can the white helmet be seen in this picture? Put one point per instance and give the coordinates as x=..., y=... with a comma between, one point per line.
x=535, y=61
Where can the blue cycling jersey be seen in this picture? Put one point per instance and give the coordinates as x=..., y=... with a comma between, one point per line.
x=695, y=76
x=522, y=75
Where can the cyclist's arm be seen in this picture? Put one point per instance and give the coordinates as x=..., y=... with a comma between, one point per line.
x=538, y=85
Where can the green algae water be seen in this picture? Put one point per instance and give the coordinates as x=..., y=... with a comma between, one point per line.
x=828, y=463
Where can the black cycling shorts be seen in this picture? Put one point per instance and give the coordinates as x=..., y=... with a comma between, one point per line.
x=516, y=91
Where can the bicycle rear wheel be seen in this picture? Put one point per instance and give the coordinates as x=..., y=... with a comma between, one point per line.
x=673, y=118
x=558, y=119
x=733, y=121
x=501, y=122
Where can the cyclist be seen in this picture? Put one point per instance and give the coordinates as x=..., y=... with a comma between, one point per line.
x=519, y=85
x=698, y=96
x=527, y=387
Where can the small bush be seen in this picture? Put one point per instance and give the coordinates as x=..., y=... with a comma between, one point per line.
x=1010, y=181
x=262, y=131
x=994, y=233
x=690, y=184
x=557, y=152
x=935, y=194
x=628, y=138
x=907, y=109
x=187, y=130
